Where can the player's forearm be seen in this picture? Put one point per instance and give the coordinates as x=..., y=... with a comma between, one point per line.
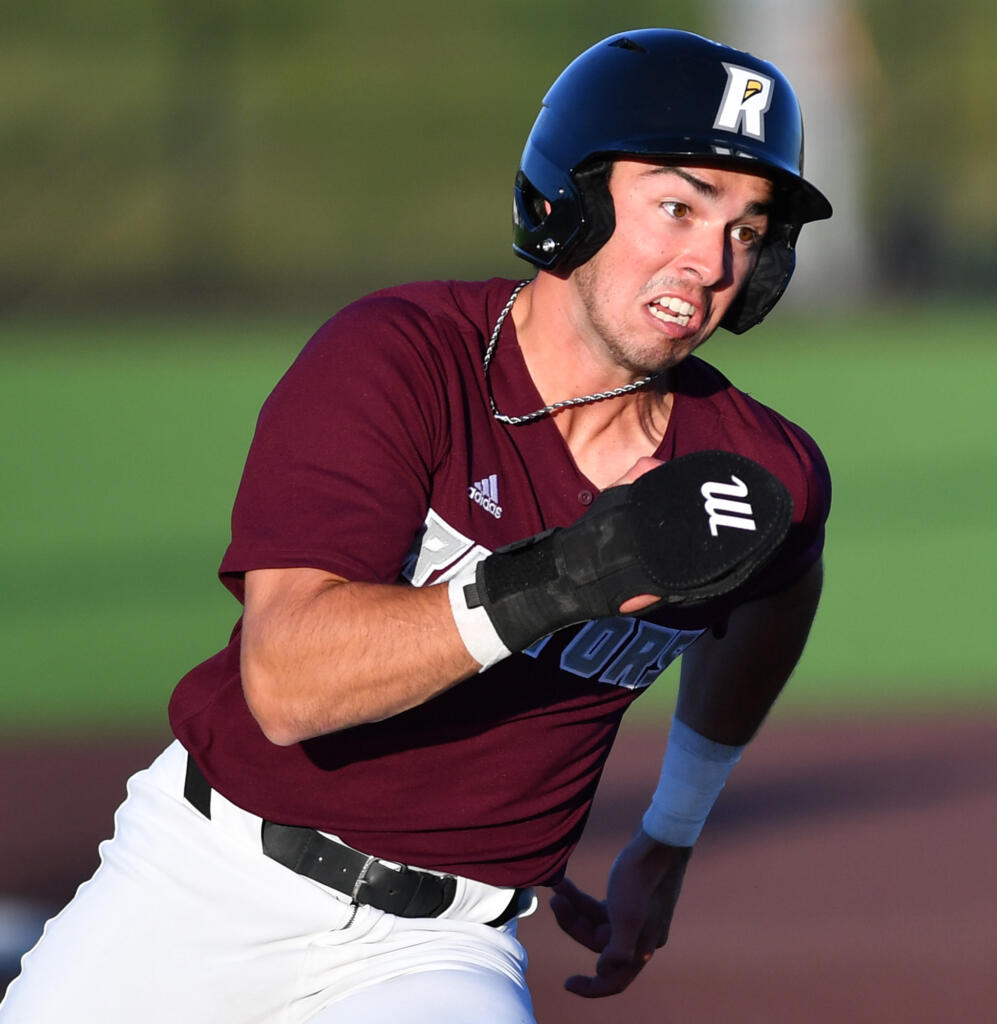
x=317, y=658
x=728, y=685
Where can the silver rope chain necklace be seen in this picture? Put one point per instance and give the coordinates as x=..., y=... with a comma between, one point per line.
x=547, y=409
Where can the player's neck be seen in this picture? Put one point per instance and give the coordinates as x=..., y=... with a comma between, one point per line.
x=563, y=361
x=607, y=436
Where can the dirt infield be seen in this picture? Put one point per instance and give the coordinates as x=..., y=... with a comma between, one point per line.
x=849, y=873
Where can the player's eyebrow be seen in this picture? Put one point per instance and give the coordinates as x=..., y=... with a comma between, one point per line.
x=704, y=188
x=758, y=208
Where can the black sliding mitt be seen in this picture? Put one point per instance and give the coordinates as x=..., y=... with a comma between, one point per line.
x=687, y=531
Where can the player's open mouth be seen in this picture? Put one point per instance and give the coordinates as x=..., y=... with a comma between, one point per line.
x=672, y=310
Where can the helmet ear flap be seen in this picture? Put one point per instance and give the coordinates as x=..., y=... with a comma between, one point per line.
x=560, y=233
x=764, y=288
x=598, y=214
x=544, y=228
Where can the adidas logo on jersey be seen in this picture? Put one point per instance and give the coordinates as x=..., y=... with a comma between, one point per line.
x=485, y=493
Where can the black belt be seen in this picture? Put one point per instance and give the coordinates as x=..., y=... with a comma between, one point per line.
x=402, y=891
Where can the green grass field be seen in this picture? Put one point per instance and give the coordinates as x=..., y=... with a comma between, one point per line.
x=124, y=444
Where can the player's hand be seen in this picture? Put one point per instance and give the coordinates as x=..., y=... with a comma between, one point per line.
x=638, y=469
x=632, y=922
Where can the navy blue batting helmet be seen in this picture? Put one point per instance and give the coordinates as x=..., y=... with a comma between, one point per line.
x=662, y=94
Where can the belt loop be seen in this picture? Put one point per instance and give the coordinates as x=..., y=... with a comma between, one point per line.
x=196, y=790
x=516, y=904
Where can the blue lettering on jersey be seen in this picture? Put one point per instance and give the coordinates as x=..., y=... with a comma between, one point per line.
x=595, y=644
x=625, y=651
x=644, y=658
x=621, y=650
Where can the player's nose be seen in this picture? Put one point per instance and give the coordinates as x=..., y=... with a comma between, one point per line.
x=705, y=255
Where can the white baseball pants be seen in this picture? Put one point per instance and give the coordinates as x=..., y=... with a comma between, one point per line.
x=186, y=920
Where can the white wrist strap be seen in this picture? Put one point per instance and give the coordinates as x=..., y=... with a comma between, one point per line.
x=693, y=772
x=475, y=627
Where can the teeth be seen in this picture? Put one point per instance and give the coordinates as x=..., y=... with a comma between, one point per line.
x=681, y=311
x=682, y=321
x=676, y=305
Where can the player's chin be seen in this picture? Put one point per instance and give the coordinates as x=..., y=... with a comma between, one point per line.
x=670, y=354
x=657, y=360
x=651, y=350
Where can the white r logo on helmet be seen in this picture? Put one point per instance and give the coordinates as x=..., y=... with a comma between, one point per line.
x=746, y=99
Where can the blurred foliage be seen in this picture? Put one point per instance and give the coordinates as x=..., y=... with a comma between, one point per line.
x=932, y=144
x=188, y=152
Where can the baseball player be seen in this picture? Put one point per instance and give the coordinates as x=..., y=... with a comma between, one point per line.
x=476, y=522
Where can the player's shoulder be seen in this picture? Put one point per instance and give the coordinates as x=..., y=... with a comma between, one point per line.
x=710, y=411
x=459, y=303
x=711, y=403
x=425, y=317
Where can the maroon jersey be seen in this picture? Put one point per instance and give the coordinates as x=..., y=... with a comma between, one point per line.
x=377, y=458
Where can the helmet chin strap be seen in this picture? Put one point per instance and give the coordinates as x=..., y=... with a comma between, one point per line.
x=547, y=409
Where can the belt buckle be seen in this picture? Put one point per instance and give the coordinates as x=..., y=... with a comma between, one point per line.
x=403, y=891
x=387, y=888
x=361, y=880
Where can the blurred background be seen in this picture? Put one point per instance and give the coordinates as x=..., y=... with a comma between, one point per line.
x=189, y=188
x=250, y=155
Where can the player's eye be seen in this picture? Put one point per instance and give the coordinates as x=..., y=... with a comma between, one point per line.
x=746, y=235
x=675, y=208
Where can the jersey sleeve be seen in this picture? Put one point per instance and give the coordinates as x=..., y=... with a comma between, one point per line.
x=715, y=414
x=804, y=467
x=339, y=471
x=792, y=455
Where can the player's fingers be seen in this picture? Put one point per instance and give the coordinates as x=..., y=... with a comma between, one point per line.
x=607, y=982
x=639, y=603
x=621, y=961
x=621, y=948
x=638, y=469
x=581, y=917
x=582, y=929
x=567, y=891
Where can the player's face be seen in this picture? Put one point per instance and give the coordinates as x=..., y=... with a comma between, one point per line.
x=685, y=241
